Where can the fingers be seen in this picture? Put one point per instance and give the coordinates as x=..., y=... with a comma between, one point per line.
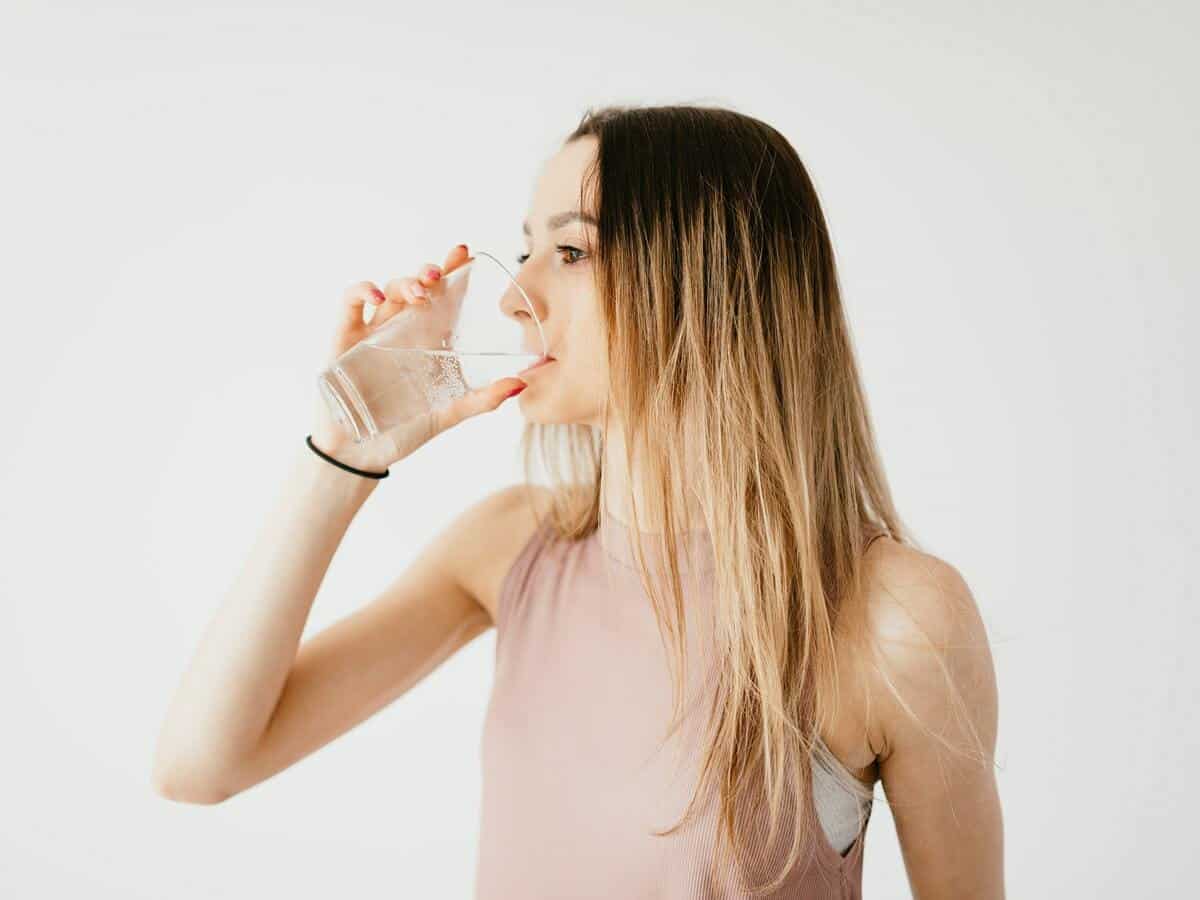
x=399, y=293
x=457, y=256
x=473, y=403
x=405, y=289
x=420, y=288
x=396, y=294
x=354, y=300
x=431, y=274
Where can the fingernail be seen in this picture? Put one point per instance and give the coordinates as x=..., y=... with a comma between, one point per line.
x=461, y=247
x=515, y=391
x=434, y=274
x=419, y=290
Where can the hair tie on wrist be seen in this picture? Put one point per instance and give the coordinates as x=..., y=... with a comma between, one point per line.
x=342, y=465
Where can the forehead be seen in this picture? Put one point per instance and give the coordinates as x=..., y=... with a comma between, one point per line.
x=555, y=199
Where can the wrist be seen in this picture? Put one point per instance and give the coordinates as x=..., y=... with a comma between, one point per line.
x=333, y=485
x=364, y=469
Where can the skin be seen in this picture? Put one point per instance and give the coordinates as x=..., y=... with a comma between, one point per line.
x=561, y=286
x=254, y=701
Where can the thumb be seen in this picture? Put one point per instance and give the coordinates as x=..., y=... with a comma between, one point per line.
x=481, y=400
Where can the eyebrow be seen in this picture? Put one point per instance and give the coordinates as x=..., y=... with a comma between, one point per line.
x=563, y=218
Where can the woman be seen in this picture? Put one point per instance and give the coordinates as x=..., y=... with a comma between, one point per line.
x=714, y=634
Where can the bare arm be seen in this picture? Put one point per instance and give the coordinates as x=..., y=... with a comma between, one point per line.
x=938, y=737
x=350, y=670
x=366, y=660
x=249, y=704
x=234, y=680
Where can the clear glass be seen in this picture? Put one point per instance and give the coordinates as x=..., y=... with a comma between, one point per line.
x=468, y=336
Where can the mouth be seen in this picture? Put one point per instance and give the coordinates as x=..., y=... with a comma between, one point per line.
x=542, y=361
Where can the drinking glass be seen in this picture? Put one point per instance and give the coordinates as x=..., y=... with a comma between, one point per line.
x=469, y=335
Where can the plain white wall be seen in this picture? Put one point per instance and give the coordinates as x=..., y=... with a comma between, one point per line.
x=187, y=188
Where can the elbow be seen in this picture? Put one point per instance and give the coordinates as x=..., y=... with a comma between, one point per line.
x=182, y=787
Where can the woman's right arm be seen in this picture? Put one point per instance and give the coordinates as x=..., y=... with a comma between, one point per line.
x=229, y=691
x=251, y=704
x=251, y=701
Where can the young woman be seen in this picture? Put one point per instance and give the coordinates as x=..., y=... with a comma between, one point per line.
x=714, y=635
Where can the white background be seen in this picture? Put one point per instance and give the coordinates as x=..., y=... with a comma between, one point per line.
x=187, y=188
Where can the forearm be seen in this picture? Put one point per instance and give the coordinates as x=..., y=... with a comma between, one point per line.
x=236, y=676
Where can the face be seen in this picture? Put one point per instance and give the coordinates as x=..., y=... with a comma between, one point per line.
x=556, y=271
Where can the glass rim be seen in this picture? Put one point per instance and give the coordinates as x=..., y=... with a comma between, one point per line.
x=513, y=278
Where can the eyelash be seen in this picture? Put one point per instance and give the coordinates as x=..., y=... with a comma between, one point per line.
x=560, y=248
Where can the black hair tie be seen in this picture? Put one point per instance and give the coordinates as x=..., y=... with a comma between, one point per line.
x=342, y=465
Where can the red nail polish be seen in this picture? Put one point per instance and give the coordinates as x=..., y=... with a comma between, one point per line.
x=515, y=391
x=434, y=275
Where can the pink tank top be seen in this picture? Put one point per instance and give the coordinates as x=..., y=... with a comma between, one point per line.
x=575, y=772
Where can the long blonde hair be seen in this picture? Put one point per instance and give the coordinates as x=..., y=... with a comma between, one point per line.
x=728, y=346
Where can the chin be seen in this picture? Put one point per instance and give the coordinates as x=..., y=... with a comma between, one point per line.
x=542, y=410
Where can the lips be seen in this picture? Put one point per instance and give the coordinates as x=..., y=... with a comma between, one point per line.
x=545, y=360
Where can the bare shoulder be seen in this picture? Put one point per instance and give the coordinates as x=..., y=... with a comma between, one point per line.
x=933, y=719
x=931, y=648
x=490, y=534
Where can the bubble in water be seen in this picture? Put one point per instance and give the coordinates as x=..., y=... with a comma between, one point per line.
x=446, y=382
x=384, y=386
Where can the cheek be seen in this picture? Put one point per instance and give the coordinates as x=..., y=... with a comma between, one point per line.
x=591, y=385
x=580, y=379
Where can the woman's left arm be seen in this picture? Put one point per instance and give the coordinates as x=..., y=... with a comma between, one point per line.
x=937, y=738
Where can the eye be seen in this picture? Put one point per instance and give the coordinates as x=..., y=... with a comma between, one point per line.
x=560, y=248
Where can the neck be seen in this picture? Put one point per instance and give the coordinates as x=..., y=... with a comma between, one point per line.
x=616, y=478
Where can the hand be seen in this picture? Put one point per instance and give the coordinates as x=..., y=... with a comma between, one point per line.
x=393, y=444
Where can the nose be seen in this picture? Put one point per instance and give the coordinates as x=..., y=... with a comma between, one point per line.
x=513, y=304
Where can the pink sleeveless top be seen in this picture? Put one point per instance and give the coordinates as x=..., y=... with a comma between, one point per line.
x=575, y=772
